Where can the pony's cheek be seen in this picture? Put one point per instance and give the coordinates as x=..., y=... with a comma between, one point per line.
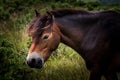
x=54, y=43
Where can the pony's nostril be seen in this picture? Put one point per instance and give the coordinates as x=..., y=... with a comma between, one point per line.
x=33, y=61
x=40, y=61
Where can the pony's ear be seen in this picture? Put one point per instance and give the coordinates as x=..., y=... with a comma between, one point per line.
x=50, y=16
x=37, y=13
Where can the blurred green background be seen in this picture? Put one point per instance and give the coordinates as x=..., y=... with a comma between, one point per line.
x=64, y=64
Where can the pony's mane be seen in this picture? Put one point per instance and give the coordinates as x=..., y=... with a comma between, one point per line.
x=35, y=26
x=66, y=12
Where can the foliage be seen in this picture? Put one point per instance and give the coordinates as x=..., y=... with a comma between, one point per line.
x=12, y=7
x=12, y=63
x=8, y=7
x=9, y=59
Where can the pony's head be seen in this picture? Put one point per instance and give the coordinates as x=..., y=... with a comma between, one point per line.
x=45, y=39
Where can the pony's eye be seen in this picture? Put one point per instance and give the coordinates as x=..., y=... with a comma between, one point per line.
x=45, y=37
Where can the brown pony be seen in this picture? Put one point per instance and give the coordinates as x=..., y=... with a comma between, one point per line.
x=94, y=35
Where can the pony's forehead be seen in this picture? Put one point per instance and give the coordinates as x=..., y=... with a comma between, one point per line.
x=36, y=20
x=34, y=27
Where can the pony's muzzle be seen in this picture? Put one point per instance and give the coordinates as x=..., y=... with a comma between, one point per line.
x=34, y=60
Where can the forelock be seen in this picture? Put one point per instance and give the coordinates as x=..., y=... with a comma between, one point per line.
x=36, y=25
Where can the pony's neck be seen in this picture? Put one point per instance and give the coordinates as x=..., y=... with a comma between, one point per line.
x=70, y=32
x=73, y=29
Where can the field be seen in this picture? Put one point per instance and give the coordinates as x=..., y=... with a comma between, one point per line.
x=64, y=64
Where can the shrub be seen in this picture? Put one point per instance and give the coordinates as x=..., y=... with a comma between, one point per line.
x=12, y=64
x=60, y=5
x=8, y=7
x=92, y=5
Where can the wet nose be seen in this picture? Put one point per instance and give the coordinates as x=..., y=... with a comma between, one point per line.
x=34, y=61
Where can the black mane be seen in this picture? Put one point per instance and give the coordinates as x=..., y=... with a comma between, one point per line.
x=65, y=12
